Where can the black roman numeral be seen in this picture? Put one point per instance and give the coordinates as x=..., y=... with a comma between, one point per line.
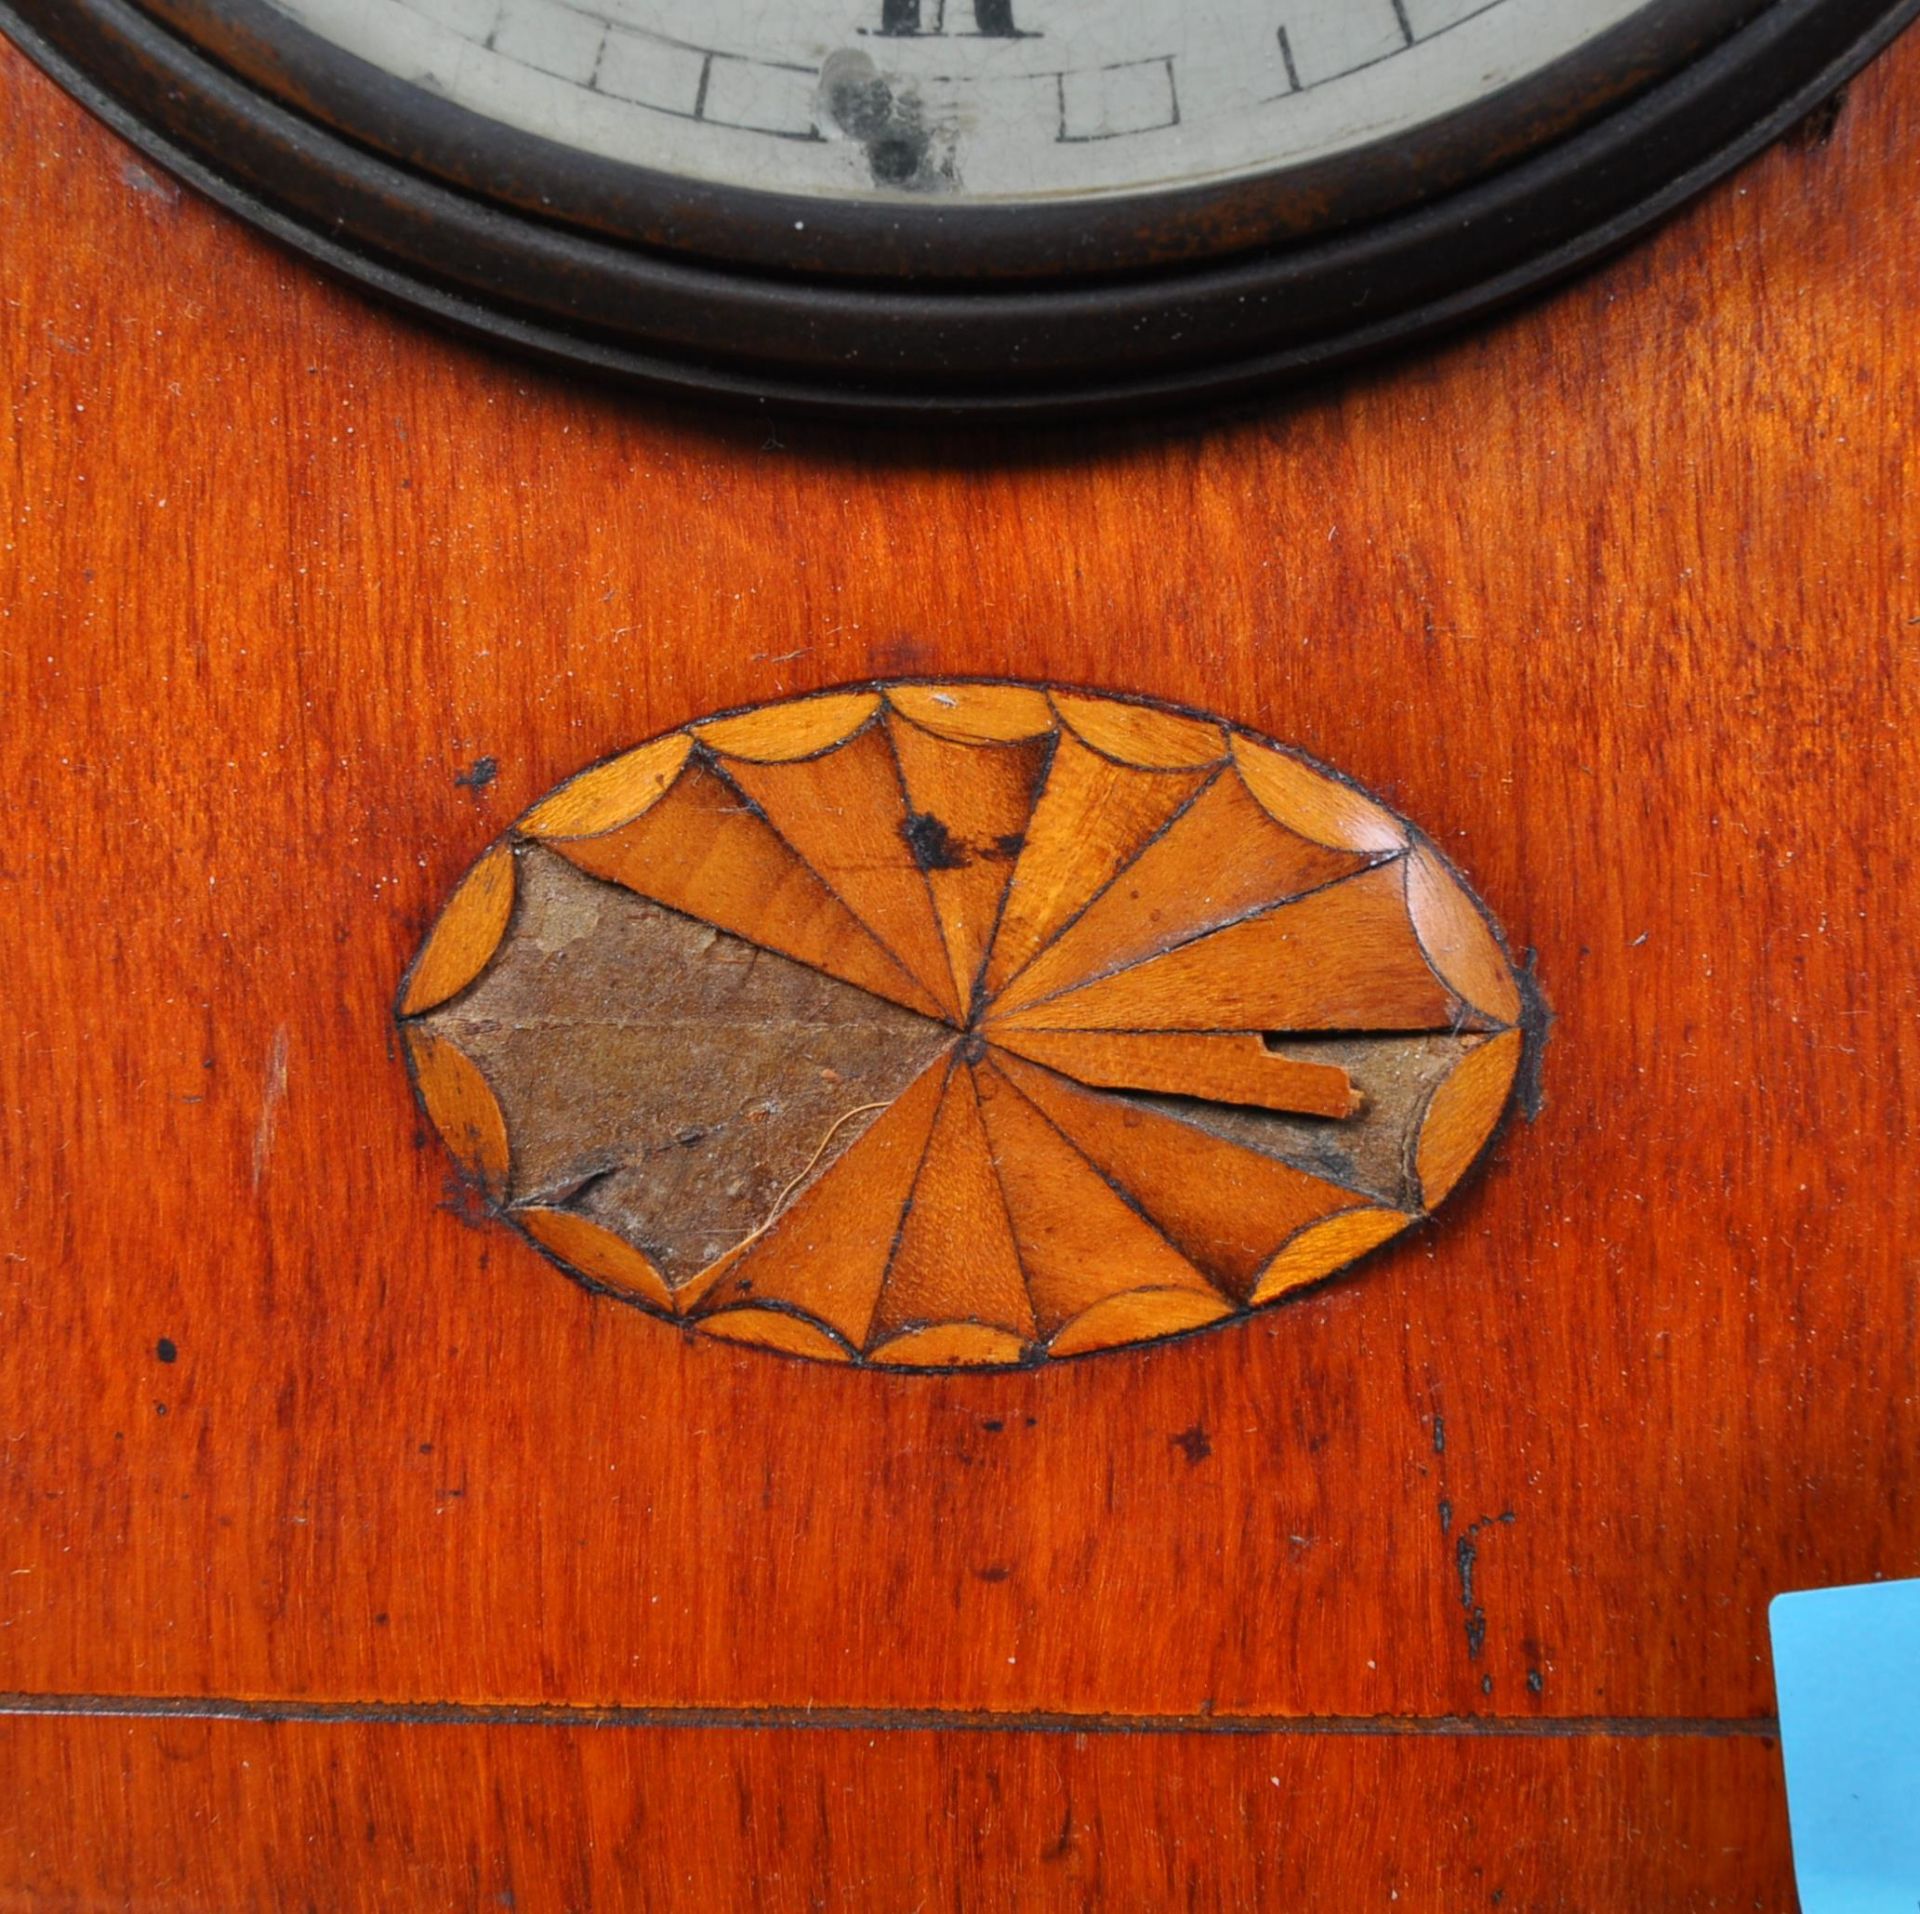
x=991, y=18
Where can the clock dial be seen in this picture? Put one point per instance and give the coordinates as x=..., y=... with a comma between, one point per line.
x=998, y=100
x=1035, y=206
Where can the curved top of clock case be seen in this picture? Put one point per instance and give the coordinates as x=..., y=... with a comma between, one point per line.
x=914, y=303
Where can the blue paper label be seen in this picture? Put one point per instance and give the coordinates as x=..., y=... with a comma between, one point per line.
x=1846, y=1666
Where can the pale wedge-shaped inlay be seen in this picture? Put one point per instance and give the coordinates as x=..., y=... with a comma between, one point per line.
x=1093, y=817
x=1462, y=1113
x=1142, y=734
x=582, y=1244
x=610, y=794
x=1343, y=958
x=976, y=713
x=968, y=809
x=777, y=733
x=1457, y=941
x=1218, y=1066
x=463, y=1108
x=1226, y=1208
x=846, y=814
x=951, y=1346
x=772, y=1329
x=1321, y=1248
x=1316, y=805
x=704, y=850
x=466, y=934
x=956, y=1258
x=1142, y=1315
x=1078, y=1241
x=1221, y=858
x=828, y=1252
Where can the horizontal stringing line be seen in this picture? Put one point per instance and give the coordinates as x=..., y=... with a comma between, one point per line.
x=789, y=1719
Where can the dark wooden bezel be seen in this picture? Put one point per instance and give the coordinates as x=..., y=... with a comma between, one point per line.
x=936, y=334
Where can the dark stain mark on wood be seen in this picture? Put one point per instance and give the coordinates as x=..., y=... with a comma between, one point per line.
x=478, y=775
x=1529, y=1083
x=1193, y=1444
x=1466, y=1557
x=934, y=847
x=465, y=1201
x=1062, y=1844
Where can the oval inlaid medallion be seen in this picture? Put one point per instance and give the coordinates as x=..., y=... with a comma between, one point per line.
x=976, y=1023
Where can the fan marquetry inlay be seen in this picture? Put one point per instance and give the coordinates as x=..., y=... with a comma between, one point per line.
x=970, y=1023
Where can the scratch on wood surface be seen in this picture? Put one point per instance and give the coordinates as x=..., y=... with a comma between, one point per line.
x=273, y=1092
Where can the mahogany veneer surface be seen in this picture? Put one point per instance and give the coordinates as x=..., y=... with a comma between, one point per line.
x=363, y=1816
x=301, y=604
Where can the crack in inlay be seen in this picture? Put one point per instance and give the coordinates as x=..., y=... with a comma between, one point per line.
x=967, y=1023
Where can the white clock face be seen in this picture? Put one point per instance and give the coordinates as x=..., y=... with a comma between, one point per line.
x=978, y=101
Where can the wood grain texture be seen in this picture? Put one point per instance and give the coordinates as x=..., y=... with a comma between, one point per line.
x=1318, y=806
x=829, y=1252
x=582, y=1244
x=703, y=850
x=300, y=605
x=349, y=1816
x=1344, y=956
x=1322, y=1247
x=606, y=796
x=782, y=733
x=992, y=786
x=1139, y=735
x=462, y=1107
x=1461, y=1115
x=957, y=1200
x=844, y=812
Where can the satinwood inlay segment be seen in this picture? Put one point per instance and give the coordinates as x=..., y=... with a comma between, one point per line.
x=935, y=1024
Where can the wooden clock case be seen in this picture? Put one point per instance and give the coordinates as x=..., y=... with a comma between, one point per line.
x=353, y=1558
